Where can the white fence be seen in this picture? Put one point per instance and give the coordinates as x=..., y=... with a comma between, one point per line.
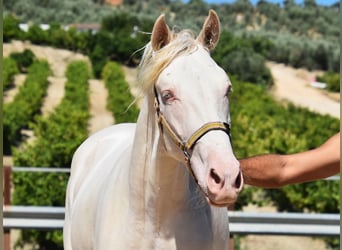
x=52, y=218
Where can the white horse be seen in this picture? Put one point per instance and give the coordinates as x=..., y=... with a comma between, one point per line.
x=165, y=182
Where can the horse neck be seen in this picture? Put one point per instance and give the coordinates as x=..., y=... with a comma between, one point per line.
x=158, y=184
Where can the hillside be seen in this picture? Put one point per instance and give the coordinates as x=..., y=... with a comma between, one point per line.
x=315, y=21
x=302, y=36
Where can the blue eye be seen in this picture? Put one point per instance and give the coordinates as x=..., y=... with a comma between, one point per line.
x=167, y=95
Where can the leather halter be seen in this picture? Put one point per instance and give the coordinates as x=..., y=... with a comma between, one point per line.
x=187, y=146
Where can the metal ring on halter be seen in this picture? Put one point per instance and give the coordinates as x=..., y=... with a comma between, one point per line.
x=187, y=154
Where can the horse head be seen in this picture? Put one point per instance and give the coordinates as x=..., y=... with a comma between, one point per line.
x=191, y=98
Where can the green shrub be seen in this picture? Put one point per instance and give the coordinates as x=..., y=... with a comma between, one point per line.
x=26, y=104
x=59, y=134
x=244, y=57
x=37, y=35
x=120, y=99
x=100, y=54
x=11, y=28
x=332, y=80
x=248, y=66
x=23, y=59
x=9, y=70
x=118, y=40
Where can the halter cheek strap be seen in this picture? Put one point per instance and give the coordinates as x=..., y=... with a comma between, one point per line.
x=188, y=145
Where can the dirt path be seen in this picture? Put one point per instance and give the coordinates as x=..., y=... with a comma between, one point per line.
x=18, y=81
x=271, y=242
x=54, y=94
x=100, y=116
x=293, y=85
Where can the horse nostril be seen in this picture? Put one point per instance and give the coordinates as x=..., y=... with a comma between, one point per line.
x=215, y=176
x=238, y=181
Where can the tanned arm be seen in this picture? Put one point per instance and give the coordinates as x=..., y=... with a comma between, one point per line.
x=274, y=171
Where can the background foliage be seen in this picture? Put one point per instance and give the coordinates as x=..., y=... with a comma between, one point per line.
x=260, y=126
x=58, y=136
x=23, y=59
x=332, y=80
x=120, y=100
x=10, y=68
x=26, y=104
x=304, y=35
x=298, y=35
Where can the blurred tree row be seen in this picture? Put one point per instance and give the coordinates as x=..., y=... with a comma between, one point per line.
x=299, y=35
x=57, y=138
x=26, y=104
x=308, y=19
x=118, y=40
x=56, y=36
x=120, y=101
x=60, y=11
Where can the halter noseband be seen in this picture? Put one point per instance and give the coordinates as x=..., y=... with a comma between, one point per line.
x=188, y=145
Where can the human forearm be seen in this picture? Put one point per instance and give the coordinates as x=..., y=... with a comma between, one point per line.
x=315, y=164
x=272, y=171
x=264, y=170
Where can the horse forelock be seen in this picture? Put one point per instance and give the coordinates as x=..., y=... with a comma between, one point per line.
x=154, y=62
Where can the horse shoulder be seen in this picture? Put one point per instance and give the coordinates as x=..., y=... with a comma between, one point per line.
x=93, y=163
x=96, y=148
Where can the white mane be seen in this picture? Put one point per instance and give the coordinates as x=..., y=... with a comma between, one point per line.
x=154, y=62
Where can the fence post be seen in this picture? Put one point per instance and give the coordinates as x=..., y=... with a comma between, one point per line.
x=7, y=201
x=231, y=245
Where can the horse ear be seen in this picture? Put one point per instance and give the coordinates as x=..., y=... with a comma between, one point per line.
x=210, y=32
x=161, y=34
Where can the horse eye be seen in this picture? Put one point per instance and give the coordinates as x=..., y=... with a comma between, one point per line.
x=167, y=95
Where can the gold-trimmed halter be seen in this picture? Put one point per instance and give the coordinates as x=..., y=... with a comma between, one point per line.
x=187, y=146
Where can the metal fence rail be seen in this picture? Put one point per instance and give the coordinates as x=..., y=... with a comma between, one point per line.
x=52, y=218
x=284, y=224
x=29, y=217
x=67, y=170
x=40, y=169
